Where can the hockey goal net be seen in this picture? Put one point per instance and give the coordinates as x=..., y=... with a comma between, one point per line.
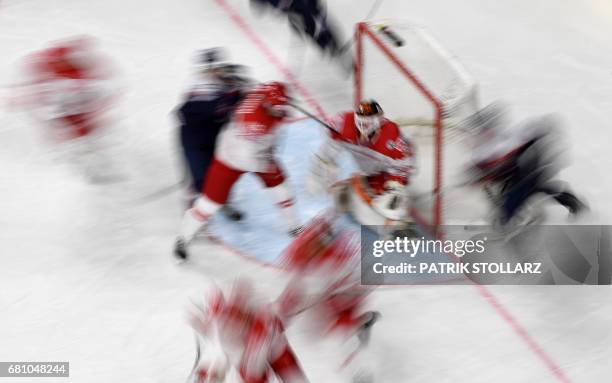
x=423, y=88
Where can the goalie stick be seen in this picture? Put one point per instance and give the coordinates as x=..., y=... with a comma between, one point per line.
x=166, y=190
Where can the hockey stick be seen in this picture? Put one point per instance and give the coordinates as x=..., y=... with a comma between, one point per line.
x=197, y=358
x=310, y=115
x=373, y=9
x=165, y=191
x=370, y=14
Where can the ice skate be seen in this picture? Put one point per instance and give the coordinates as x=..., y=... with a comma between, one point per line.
x=180, y=250
x=232, y=213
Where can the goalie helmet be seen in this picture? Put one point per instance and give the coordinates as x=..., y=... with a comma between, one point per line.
x=368, y=118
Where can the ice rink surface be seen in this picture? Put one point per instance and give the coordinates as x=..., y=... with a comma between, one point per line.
x=86, y=274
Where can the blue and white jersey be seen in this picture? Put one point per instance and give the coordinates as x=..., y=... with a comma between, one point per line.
x=208, y=106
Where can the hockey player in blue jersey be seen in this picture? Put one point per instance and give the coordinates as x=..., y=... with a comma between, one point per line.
x=209, y=103
x=309, y=17
x=515, y=162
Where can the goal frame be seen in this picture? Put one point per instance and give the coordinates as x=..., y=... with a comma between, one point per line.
x=363, y=31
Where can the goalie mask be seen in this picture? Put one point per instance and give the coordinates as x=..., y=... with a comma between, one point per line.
x=368, y=118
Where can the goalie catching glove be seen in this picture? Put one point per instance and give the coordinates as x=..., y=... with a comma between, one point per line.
x=393, y=202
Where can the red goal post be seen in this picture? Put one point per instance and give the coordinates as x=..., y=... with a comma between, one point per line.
x=436, y=90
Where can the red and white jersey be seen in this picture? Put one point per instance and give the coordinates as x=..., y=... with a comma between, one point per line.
x=323, y=247
x=66, y=84
x=385, y=156
x=249, y=141
x=250, y=335
x=325, y=261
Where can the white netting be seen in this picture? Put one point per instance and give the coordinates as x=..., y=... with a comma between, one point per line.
x=414, y=78
x=438, y=71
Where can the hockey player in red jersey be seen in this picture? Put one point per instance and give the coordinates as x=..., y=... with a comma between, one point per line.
x=70, y=91
x=379, y=194
x=246, y=145
x=243, y=334
x=71, y=84
x=324, y=261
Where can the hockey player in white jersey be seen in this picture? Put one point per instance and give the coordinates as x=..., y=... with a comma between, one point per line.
x=379, y=193
x=247, y=145
x=514, y=162
x=324, y=262
x=70, y=91
x=237, y=331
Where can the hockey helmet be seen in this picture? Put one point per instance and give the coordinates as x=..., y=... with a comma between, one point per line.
x=70, y=57
x=368, y=118
x=275, y=99
x=276, y=93
x=211, y=58
x=214, y=62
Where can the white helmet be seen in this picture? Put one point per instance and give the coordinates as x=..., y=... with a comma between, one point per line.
x=368, y=118
x=211, y=58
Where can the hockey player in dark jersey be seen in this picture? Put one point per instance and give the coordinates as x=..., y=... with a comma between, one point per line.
x=309, y=17
x=216, y=89
x=516, y=162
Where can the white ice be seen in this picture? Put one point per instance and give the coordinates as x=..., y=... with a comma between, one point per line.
x=86, y=274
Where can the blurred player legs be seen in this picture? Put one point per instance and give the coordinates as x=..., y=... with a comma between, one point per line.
x=219, y=182
x=240, y=332
x=324, y=261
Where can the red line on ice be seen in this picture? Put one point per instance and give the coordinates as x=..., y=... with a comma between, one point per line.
x=267, y=52
x=553, y=367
